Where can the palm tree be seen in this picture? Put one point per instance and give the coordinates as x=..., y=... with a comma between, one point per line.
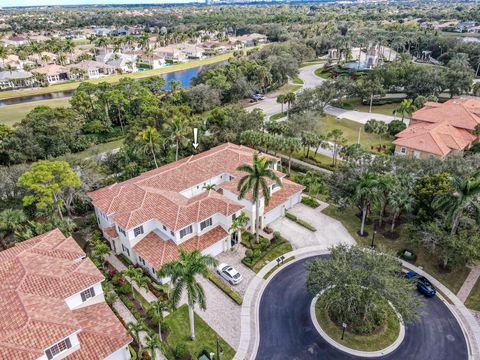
x=153, y=343
x=148, y=140
x=177, y=130
x=135, y=329
x=238, y=224
x=11, y=221
x=99, y=251
x=291, y=145
x=209, y=187
x=289, y=99
x=156, y=310
x=365, y=193
x=183, y=274
x=466, y=193
x=281, y=100
x=336, y=135
x=136, y=276
x=400, y=200
x=405, y=108
x=255, y=181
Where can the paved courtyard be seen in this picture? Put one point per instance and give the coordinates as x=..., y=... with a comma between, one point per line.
x=329, y=231
x=234, y=258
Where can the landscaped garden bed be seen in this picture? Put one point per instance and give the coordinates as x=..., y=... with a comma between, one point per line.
x=309, y=201
x=258, y=255
x=381, y=337
x=225, y=288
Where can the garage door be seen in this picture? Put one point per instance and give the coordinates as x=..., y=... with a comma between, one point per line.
x=215, y=249
x=272, y=215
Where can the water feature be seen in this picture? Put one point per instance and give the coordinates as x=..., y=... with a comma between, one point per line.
x=356, y=66
x=184, y=76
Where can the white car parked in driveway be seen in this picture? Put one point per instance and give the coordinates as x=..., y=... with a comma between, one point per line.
x=229, y=274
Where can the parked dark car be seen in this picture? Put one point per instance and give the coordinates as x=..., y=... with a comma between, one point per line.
x=424, y=286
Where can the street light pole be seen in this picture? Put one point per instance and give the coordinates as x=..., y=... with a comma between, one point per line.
x=344, y=327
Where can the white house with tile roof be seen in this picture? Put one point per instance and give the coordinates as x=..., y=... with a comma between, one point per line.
x=52, y=305
x=150, y=217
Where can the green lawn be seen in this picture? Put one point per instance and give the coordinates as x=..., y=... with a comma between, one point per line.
x=205, y=336
x=116, y=78
x=12, y=114
x=377, y=341
x=99, y=148
x=473, y=300
x=318, y=160
x=451, y=279
x=319, y=73
x=278, y=116
x=297, y=80
x=356, y=104
x=350, y=132
x=272, y=255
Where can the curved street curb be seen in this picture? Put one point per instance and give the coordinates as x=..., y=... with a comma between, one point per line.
x=249, y=335
x=367, y=354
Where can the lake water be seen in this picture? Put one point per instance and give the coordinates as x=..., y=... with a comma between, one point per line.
x=184, y=76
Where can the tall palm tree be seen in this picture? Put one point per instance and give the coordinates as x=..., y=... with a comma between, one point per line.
x=281, y=100
x=255, y=181
x=153, y=343
x=365, y=193
x=291, y=145
x=135, y=329
x=238, y=224
x=177, y=130
x=148, y=140
x=183, y=274
x=156, y=310
x=466, y=193
x=406, y=107
x=400, y=200
x=289, y=99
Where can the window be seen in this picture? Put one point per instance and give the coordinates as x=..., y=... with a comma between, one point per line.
x=274, y=186
x=141, y=260
x=153, y=270
x=125, y=250
x=184, y=232
x=138, y=230
x=206, y=223
x=58, y=348
x=234, y=216
x=164, y=227
x=121, y=231
x=172, y=233
x=87, y=294
x=403, y=150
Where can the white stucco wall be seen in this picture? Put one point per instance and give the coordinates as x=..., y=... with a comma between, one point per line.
x=75, y=301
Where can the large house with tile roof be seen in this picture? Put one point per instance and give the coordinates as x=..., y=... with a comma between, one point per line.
x=439, y=129
x=150, y=217
x=52, y=304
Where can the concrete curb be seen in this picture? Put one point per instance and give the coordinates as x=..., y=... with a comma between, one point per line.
x=250, y=334
x=345, y=349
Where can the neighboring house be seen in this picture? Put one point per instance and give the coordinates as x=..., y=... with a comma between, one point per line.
x=52, y=304
x=102, y=31
x=15, y=79
x=150, y=217
x=120, y=61
x=465, y=26
x=170, y=53
x=154, y=61
x=190, y=51
x=53, y=73
x=250, y=40
x=440, y=129
x=93, y=69
x=16, y=40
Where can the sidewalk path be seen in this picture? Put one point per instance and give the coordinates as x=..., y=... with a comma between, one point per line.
x=127, y=317
x=117, y=264
x=469, y=283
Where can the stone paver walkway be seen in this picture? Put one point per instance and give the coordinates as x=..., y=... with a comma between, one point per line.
x=117, y=264
x=469, y=283
x=127, y=317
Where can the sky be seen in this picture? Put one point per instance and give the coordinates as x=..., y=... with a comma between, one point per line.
x=7, y=3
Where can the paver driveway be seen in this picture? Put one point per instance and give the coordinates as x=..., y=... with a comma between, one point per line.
x=234, y=258
x=329, y=231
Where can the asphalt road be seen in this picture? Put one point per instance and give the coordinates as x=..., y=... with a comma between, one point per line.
x=287, y=331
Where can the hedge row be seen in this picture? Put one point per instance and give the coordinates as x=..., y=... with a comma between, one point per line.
x=300, y=222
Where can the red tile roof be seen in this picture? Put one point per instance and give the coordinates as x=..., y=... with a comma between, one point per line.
x=158, y=251
x=36, y=276
x=156, y=194
x=442, y=128
x=288, y=189
x=111, y=231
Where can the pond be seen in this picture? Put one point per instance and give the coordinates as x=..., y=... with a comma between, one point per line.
x=184, y=76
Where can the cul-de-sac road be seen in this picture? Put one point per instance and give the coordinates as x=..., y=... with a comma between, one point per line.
x=287, y=331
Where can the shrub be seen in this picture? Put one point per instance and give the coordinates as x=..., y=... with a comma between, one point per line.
x=249, y=253
x=276, y=236
x=257, y=253
x=309, y=201
x=181, y=351
x=124, y=289
x=225, y=288
x=264, y=244
x=395, y=126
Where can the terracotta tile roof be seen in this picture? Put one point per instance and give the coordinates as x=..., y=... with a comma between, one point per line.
x=288, y=189
x=52, y=69
x=157, y=194
x=111, y=231
x=461, y=113
x=101, y=335
x=158, y=251
x=36, y=276
x=439, y=139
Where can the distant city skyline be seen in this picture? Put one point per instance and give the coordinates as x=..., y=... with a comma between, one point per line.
x=10, y=3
